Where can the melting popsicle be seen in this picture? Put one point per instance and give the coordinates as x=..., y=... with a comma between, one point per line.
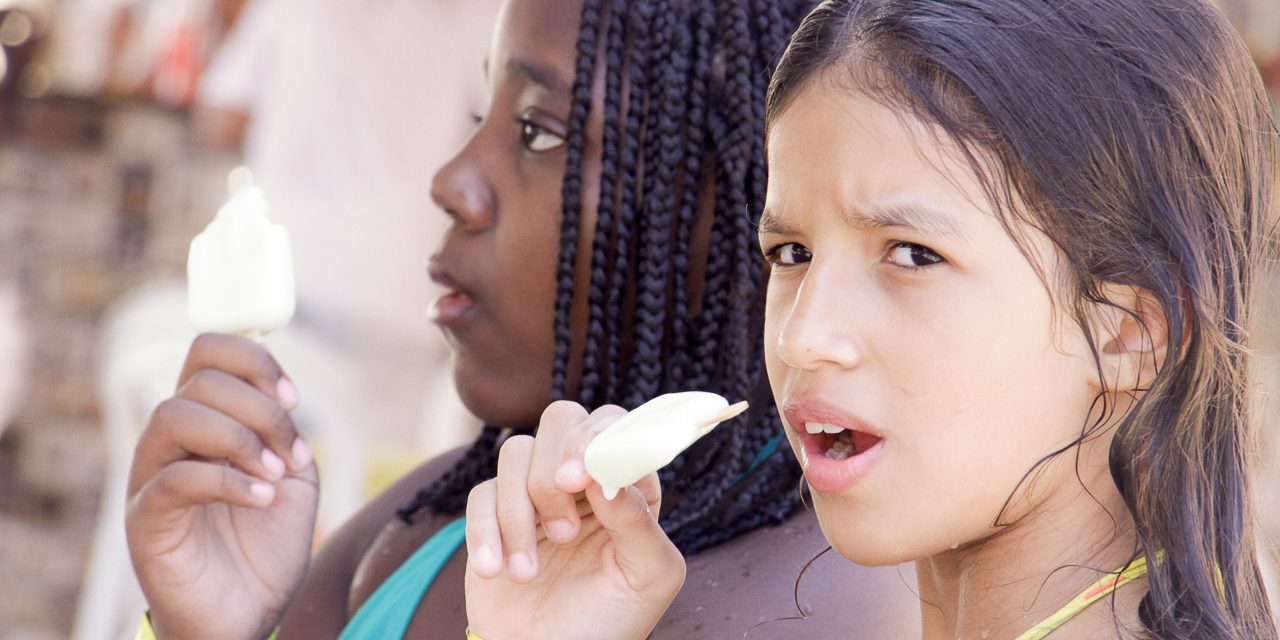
x=240, y=270
x=652, y=435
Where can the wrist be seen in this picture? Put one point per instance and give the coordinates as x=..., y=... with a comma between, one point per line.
x=147, y=632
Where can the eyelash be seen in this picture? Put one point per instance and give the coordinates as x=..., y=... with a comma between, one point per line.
x=527, y=138
x=773, y=255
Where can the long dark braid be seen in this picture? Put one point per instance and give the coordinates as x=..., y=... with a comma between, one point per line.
x=683, y=79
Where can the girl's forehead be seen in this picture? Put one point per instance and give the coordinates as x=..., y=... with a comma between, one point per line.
x=542, y=29
x=860, y=148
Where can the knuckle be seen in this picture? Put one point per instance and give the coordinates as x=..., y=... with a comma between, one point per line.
x=512, y=514
x=204, y=342
x=563, y=411
x=279, y=421
x=480, y=492
x=608, y=410
x=228, y=482
x=543, y=493
x=167, y=412
x=515, y=446
x=264, y=365
x=201, y=384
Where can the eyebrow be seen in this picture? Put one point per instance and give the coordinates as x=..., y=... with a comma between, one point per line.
x=910, y=217
x=538, y=74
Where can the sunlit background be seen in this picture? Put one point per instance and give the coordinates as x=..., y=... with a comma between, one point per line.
x=119, y=122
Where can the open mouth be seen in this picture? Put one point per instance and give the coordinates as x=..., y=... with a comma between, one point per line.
x=839, y=443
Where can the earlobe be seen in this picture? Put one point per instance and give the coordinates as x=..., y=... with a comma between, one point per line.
x=1132, y=333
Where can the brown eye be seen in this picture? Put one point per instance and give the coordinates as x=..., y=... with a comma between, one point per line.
x=537, y=138
x=912, y=256
x=789, y=254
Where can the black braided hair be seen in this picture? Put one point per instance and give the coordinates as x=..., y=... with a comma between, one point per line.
x=683, y=109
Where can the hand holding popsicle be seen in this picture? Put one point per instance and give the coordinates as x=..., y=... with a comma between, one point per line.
x=550, y=554
x=223, y=490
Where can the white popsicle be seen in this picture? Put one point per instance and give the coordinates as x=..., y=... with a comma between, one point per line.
x=240, y=270
x=652, y=435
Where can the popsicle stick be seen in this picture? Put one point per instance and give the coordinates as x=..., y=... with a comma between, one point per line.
x=729, y=412
x=252, y=334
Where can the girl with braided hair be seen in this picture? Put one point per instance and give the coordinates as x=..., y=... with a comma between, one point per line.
x=602, y=251
x=1014, y=246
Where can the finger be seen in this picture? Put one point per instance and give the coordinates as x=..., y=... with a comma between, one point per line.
x=244, y=359
x=247, y=404
x=516, y=517
x=182, y=429
x=556, y=508
x=651, y=563
x=191, y=483
x=572, y=475
x=484, y=541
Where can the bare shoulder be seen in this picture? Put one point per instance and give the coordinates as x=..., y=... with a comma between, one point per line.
x=752, y=581
x=322, y=604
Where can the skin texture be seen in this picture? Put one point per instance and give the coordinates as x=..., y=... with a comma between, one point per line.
x=505, y=203
x=502, y=191
x=898, y=306
x=955, y=355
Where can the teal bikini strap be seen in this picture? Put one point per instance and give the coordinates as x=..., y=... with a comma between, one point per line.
x=769, y=448
x=387, y=613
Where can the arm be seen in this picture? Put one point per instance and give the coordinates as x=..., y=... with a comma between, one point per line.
x=321, y=607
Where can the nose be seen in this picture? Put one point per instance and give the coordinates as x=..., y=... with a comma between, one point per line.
x=461, y=189
x=820, y=323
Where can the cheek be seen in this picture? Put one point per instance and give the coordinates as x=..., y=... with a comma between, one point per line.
x=779, y=296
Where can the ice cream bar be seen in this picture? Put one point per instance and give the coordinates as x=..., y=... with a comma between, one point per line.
x=240, y=270
x=652, y=435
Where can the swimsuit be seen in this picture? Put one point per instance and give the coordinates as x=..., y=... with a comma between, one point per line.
x=388, y=612
x=1107, y=585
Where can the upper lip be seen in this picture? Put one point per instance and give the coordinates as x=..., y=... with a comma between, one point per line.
x=802, y=408
x=443, y=276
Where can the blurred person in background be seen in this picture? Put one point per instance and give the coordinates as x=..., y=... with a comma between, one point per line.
x=338, y=109
x=342, y=109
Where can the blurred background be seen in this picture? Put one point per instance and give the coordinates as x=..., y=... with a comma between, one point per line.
x=120, y=121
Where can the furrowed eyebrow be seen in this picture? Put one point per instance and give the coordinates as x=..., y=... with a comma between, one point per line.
x=770, y=223
x=911, y=217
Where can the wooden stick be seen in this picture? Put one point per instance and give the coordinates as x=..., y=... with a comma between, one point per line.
x=729, y=412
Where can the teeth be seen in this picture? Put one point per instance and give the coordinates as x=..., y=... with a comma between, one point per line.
x=841, y=449
x=821, y=427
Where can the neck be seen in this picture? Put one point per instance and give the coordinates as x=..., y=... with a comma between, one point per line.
x=1024, y=572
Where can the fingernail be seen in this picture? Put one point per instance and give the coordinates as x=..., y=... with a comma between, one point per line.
x=520, y=564
x=287, y=393
x=273, y=464
x=263, y=492
x=484, y=557
x=301, y=454
x=559, y=530
x=570, y=471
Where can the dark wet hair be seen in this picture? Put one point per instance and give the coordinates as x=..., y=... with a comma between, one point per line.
x=1138, y=138
x=683, y=116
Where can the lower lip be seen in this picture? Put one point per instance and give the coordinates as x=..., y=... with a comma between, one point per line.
x=451, y=308
x=834, y=476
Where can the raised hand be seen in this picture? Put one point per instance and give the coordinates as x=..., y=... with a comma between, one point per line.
x=550, y=557
x=222, y=496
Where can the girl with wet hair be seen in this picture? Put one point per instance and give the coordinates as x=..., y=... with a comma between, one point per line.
x=602, y=251
x=1014, y=246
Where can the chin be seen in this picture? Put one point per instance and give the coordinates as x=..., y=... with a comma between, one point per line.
x=857, y=539
x=494, y=402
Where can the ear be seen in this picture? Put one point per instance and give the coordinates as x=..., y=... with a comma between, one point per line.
x=1132, y=334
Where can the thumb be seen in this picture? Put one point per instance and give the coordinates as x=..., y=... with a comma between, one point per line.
x=650, y=563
